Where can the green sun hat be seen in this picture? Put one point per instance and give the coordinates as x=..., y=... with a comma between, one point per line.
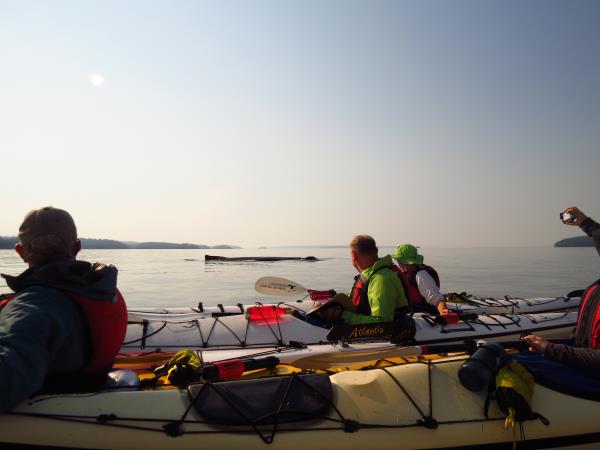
x=407, y=254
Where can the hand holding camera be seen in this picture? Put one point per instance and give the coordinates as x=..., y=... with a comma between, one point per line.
x=572, y=216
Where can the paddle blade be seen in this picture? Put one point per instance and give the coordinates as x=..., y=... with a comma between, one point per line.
x=346, y=358
x=278, y=286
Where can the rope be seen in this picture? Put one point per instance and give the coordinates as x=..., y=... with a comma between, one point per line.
x=145, y=335
x=242, y=342
x=174, y=427
x=425, y=419
x=278, y=337
x=511, y=422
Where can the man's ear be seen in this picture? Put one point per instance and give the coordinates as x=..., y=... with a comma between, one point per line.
x=354, y=258
x=21, y=251
x=76, y=247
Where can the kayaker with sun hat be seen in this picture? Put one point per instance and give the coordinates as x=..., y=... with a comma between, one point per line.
x=421, y=282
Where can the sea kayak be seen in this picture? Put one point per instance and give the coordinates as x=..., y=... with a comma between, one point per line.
x=418, y=405
x=271, y=326
x=477, y=305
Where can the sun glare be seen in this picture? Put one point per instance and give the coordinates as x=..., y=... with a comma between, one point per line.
x=97, y=80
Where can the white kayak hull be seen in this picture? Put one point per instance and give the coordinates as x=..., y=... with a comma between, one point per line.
x=506, y=305
x=288, y=330
x=382, y=415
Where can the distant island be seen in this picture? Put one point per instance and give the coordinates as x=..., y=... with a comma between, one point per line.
x=110, y=244
x=578, y=241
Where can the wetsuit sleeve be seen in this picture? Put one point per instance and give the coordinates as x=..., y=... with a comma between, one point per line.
x=428, y=288
x=32, y=330
x=382, y=300
x=586, y=359
x=592, y=229
x=357, y=319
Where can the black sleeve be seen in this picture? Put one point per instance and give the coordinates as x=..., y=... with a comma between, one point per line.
x=592, y=229
x=586, y=359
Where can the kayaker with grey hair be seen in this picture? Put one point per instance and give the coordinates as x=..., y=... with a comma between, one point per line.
x=377, y=291
x=65, y=321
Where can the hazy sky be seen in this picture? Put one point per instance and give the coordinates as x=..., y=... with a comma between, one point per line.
x=442, y=123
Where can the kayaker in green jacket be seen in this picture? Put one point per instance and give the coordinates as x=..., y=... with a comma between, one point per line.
x=377, y=291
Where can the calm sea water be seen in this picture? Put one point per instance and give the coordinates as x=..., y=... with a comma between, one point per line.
x=151, y=278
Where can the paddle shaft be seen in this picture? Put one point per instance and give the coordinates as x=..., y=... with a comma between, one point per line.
x=343, y=358
x=133, y=316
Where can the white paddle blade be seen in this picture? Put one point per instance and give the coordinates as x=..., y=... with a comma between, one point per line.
x=278, y=286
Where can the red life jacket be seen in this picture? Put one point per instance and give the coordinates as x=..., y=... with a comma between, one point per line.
x=409, y=282
x=4, y=299
x=360, y=293
x=360, y=305
x=587, y=333
x=106, y=324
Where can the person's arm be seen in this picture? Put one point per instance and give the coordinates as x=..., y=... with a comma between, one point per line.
x=587, y=224
x=592, y=229
x=586, y=359
x=429, y=290
x=358, y=319
x=30, y=333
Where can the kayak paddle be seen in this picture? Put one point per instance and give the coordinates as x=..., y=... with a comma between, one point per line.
x=287, y=288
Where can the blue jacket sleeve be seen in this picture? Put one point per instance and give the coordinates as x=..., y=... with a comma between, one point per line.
x=585, y=359
x=34, y=332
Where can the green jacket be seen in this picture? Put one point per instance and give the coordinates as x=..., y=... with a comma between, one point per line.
x=385, y=294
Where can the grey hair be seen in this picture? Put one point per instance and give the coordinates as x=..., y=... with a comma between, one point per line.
x=45, y=249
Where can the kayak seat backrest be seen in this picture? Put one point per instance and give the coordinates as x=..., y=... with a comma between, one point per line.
x=559, y=377
x=263, y=401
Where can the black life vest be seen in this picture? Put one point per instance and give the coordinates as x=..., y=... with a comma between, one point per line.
x=587, y=333
x=106, y=324
x=409, y=282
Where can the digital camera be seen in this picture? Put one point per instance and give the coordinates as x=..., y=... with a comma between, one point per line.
x=567, y=218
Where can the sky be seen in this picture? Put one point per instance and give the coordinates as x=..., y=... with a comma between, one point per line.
x=441, y=123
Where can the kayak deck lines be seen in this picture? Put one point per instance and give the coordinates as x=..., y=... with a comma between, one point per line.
x=266, y=426
x=418, y=404
x=291, y=330
x=518, y=303
x=511, y=319
x=509, y=305
x=205, y=341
